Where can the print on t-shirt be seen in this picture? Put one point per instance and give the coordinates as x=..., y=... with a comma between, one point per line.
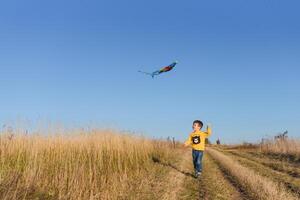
x=196, y=139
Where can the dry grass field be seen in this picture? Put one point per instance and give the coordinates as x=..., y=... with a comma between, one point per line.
x=287, y=148
x=109, y=165
x=82, y=165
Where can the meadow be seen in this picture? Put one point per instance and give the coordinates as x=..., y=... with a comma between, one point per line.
x=79, y=165
x=104, y=164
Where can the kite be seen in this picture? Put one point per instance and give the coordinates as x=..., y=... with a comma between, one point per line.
x=162, y=70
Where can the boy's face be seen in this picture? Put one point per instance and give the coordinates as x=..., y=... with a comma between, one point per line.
x=196, y=127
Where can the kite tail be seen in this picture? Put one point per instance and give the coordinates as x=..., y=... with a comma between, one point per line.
x=147, y=73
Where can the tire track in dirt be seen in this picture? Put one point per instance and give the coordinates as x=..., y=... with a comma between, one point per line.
x=290, y=183
x=217, y=184
x=278, y=157
x=253, y=183
x=280, y=166
x=213, y=184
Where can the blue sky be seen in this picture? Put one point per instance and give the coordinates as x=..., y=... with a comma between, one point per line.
x=76, y=62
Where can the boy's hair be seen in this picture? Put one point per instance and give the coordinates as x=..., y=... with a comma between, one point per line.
x=200, y=123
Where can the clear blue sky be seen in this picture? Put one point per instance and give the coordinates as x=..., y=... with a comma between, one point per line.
x=76, y=62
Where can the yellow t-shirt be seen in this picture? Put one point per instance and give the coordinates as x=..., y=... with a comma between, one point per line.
x=197, y=139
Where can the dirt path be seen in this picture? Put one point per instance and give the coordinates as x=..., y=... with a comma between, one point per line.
x=213, y=184
x=249, y=179
x=225, y=176
x=291, y=183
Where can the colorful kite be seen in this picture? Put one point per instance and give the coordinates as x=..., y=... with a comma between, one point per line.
x=165, y=69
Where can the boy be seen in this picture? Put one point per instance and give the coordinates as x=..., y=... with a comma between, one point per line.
x=197, y=141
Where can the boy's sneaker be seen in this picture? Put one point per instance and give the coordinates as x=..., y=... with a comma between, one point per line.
x=197, y=174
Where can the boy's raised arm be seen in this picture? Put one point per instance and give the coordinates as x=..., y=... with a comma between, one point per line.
x=208, y=130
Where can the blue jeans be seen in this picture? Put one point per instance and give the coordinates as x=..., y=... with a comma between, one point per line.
x=197, y=160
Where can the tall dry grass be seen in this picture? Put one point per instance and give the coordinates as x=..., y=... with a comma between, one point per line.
x=289, y=147
x=85, y=165
x=259, y=187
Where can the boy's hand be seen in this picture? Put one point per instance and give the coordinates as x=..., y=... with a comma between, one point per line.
x=186, y=144
x=209, y=125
